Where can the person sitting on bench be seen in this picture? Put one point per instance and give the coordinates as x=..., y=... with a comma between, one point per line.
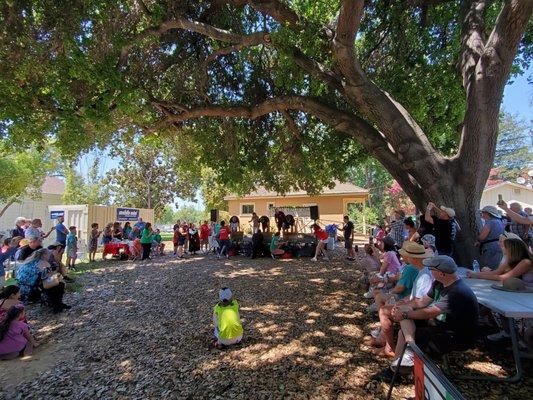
x=443, y=320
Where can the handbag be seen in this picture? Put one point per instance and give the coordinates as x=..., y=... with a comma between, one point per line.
x=51, y=281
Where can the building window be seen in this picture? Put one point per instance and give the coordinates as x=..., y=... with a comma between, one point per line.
x=247, y=209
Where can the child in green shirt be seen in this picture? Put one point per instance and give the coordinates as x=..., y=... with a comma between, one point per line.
x=228, y=327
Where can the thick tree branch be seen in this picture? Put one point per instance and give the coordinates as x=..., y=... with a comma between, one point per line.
x=291, y=125
x=472, y=40
x=346, y=27
x=276, y=9
x=316, y=69
x=478, y=139
x=198, y=27
x=411, y=146
x=373, y=141
x=502, y=44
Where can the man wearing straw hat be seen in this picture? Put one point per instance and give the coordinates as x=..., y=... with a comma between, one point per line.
x=414, y=255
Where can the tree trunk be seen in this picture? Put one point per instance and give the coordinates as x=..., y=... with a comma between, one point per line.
x=7, y=205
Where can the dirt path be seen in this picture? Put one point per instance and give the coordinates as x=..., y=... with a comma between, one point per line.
x=141, y=331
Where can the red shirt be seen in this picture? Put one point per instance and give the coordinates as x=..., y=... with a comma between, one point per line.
x=204, y=231
x=321, y=234
x=224, y=233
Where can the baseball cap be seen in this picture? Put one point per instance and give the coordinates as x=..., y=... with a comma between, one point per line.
x=225, y=294
x=509, y=235
x=491, y=210
x=448, y=210
x=444, y=264
x=428, y=239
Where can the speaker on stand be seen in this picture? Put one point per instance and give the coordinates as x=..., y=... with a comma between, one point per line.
x=214, y=215
x=313, y=210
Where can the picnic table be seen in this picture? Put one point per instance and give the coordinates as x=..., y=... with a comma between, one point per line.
x=512, y=306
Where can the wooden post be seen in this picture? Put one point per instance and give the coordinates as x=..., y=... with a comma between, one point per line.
x=364, y=218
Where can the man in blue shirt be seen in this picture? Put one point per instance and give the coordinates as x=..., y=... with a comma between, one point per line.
x=61, y=231
x=140, y=224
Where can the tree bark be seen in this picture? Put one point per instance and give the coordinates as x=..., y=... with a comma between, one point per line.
x=8, y=204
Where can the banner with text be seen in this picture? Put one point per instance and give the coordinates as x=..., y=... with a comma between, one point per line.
x=127, y=214
x=56, y=214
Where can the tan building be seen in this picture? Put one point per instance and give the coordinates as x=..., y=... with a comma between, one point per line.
x=510, y=191
x=332, y=204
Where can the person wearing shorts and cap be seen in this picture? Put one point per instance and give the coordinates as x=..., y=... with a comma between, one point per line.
x=228, y=327
x=450, y=304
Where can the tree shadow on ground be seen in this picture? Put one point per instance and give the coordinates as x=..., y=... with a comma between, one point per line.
x=142, y=330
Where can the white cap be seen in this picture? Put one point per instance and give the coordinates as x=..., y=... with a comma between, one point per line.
x=225, y=294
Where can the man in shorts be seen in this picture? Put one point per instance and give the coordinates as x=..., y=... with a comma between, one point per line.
x=348, y=230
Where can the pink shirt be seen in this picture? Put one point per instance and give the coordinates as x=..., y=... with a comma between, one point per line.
x=14, y=340
x=393, y=264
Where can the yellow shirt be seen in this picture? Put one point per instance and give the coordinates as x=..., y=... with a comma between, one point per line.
x=229, y=324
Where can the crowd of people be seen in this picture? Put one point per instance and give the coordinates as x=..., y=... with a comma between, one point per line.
x=417, y=289
x=410, y=273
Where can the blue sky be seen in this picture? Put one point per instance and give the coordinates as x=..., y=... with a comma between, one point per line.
x=518, y=99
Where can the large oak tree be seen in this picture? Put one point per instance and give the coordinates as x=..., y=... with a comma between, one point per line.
x=275, y=92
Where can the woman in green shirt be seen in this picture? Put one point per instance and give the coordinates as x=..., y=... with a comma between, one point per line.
x=146, y=240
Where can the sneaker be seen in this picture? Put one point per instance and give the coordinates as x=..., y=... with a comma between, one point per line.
x=408, y=359
x=273, y=256
x=314, y=259
x=496, y=337
x=375, y=333
x=369, y=294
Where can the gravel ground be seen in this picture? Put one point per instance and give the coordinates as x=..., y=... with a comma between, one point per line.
x=141, y=331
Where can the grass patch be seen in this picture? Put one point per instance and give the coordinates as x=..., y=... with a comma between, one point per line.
x=167, y=237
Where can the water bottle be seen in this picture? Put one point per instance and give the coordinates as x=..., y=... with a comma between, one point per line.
x=475, y=266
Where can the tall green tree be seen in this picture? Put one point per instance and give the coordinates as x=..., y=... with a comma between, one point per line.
x=167, y=216
x=22, y=173
x=371, y=175
x=147, y=176
x=281, y=93
x=85, y=190
x=514, y=149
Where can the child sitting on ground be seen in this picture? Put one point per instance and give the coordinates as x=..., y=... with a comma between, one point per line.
x=228, y=327
x=72, y=247
x=157, y=244
x=15, y=337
